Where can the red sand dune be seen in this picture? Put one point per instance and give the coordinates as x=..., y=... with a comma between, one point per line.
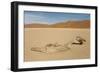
x=68, y=24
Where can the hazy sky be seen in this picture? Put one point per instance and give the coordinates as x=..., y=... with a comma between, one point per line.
x=52, y=17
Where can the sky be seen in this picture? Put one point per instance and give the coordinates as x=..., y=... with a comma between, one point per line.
x=52, y=17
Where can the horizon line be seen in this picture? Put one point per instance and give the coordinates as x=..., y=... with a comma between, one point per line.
x=55, y=22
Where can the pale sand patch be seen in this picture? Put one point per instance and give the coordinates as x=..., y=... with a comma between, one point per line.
x=39, y=37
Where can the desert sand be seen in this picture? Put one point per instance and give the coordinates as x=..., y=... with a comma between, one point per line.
x=39, y=37
x=65, y=24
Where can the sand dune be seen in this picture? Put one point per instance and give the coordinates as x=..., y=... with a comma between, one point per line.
x=73, y=24
x=36, y=25
x=36, y=38
x=66, y=24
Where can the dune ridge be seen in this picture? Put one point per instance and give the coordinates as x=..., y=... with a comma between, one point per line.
x=66, y=24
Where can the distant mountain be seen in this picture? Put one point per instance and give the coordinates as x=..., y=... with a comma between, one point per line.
x=67, y=24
